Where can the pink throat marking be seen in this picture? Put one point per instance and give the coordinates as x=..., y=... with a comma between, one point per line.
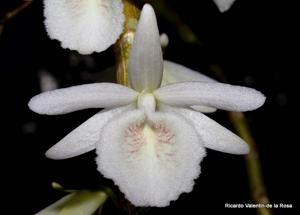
x=164, y=135
x=135, y=138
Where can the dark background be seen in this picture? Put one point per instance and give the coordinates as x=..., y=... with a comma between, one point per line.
x=254, y=43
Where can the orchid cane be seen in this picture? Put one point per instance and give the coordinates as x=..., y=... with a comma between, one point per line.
x=147, y=139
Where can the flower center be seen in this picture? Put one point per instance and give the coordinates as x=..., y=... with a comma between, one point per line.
x=150, y=139
x=146, y=101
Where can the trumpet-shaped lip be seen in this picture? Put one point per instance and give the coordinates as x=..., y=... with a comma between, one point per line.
x=160, y=150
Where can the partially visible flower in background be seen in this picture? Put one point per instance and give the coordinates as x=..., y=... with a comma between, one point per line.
x=224, y=5
x=84, y=25
x=89, y=26
x=148, y=141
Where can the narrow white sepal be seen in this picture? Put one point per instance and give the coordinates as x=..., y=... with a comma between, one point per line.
x=66, y=100
x=153, y=159
x=221, y=96
x=145, y=65
x=224, y=5
x=175, y=73
x=84, y=25
x=83, y=138
x=214, y=135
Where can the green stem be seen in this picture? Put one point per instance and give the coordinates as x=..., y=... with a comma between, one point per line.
x=257, y=187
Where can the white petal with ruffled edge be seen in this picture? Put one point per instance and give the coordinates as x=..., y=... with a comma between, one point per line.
x=214, y=135
x=84, y=25
x=152, y=159
x=221, y=96
x=224, y=5
x=83, y=138
x=66, y=100
x=145, y=65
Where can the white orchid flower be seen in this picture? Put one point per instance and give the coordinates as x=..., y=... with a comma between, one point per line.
x=84, y=25
x=224, y=5
x=147, y=141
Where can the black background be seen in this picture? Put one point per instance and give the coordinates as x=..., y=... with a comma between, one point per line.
x=254, y=43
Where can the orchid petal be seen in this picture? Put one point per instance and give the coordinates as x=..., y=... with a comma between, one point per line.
x=214, y=135
x=174, y=73
x=145, y=64
x=83, y=138
x=153, y=159
x=86, y=26
x=221, y=96
x=100, y=95
x=224, y=5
